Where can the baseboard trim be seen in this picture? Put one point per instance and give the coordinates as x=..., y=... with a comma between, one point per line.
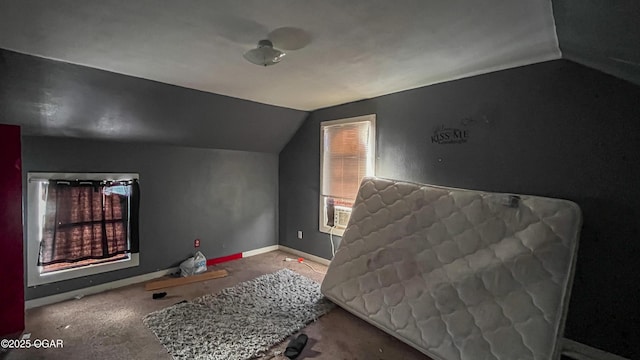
x=305, y=255
x=579, y=351
x=52, y=299
x=224, y=259
x=263, y=250
x=241, y=255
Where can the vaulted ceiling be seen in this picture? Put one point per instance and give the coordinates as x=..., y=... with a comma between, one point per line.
x=358, y=48
x=339, y=51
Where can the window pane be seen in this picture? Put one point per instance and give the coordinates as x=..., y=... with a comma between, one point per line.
x=84, y=222
x=345, y=160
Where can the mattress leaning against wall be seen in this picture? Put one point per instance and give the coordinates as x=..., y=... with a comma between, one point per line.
x=458, y=274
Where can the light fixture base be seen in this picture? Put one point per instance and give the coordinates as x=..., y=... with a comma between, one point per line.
x=264, y=54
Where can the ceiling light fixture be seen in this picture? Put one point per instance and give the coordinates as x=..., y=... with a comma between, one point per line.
x=264, y=54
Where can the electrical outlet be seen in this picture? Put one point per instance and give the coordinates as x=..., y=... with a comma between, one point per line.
x=196, y=243
x=299, y=234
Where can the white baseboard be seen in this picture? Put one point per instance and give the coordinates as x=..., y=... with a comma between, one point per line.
x=305, y=255
x=263, y=250
x=47, y=300
x=52, y=299
x=579, y=351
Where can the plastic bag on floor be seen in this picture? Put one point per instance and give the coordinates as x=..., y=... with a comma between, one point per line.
x=194, y=265
x=200, y=263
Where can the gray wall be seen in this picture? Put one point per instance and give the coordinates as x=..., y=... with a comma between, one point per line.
x=555, y=129
x=602, y=34
x=226, y=198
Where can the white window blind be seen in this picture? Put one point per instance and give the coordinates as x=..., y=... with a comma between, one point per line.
x=346, y=159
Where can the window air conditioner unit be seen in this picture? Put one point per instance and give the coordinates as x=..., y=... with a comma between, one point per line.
x=341, y=217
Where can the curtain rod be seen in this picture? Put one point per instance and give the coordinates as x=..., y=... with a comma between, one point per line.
x=80, y=180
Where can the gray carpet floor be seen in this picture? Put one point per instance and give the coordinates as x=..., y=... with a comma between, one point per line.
x=108, y=326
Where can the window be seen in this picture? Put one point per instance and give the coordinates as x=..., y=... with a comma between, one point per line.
x=80, y=224
x=347, y=155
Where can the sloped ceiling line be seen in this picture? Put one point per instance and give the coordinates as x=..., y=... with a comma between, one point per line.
x=355, y=50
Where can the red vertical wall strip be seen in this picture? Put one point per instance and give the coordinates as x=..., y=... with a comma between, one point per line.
x=11, y=243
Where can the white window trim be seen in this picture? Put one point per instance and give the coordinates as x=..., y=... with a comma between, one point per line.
x=321, y=210
x=33, y=231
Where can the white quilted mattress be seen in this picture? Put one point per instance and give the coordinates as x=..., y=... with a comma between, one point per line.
x=458, y=274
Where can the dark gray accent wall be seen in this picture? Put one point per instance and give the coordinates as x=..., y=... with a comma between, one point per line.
x=554, y=129
x=53, y=98
x=228, y=199
x=601, y=34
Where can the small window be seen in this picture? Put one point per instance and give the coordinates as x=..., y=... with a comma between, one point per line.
x=80, y=224
x=347, y=155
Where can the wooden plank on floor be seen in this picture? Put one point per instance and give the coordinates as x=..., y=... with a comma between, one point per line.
x=170, y=282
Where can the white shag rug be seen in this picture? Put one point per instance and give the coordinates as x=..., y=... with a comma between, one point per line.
x=240, y=322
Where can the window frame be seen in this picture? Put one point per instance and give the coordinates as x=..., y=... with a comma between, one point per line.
x=34, y=230
x=371, y=118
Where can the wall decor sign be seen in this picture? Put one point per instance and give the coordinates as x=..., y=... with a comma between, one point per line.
x=443, y=135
